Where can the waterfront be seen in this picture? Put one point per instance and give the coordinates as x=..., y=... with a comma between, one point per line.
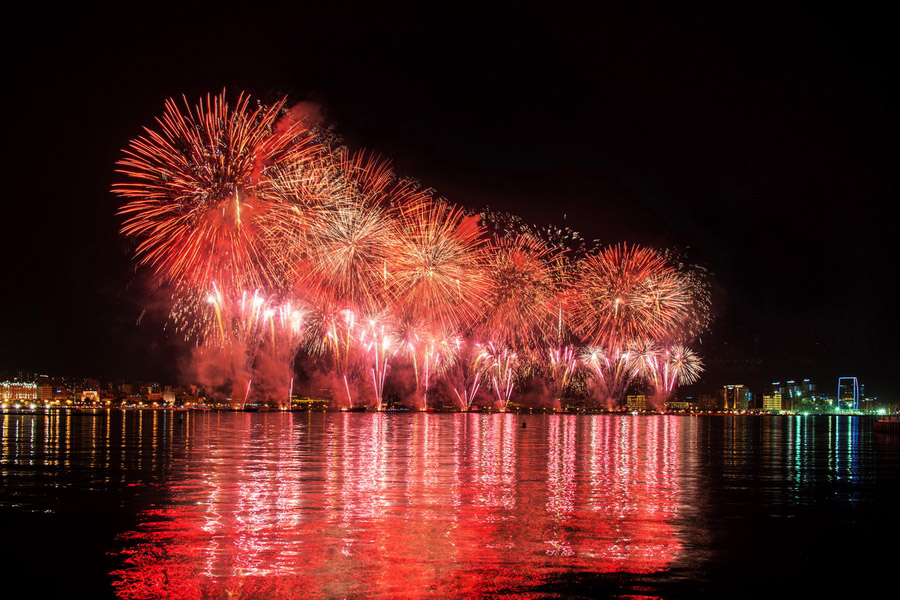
x=145, y=504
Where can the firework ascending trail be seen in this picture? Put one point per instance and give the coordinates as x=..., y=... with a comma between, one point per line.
x=561, y=365
x=613, y=371
x=503, y=370
x=334, y=336
x=428, y=351
x=467, y=372
x=284, y=333
x=379, y=342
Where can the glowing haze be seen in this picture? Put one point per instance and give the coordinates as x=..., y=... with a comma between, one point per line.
x=278, y=241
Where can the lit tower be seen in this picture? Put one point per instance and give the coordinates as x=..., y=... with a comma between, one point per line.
x=848, y=391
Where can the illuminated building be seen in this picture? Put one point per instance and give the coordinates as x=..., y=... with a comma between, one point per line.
x=88, y=397
x=735, y=397
x=45, y=393
x=795, y=395
x=848, y=393
x=771, y=401
x=679, y=405
x=798, y=393
x=636, y=402
x=15, y=391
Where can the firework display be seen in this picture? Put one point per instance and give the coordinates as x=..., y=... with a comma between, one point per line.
x=276, y=242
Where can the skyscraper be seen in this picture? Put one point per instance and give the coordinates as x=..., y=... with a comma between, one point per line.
x=848, y=393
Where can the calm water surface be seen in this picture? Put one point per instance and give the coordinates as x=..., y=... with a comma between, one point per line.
x=155, y=504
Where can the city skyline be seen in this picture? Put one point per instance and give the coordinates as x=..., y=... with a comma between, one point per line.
x=30, y=390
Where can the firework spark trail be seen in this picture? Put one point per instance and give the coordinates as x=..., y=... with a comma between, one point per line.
x=467, y=370
x=246, y=394
x=561, y=365
x=380, y=344
x=334, y=337
x=524, y=276
x=348, y=257
x=240, y=330
x=198, y=189
x=697, y=279
x=430, y=353
x=666, y=367
x=613, y=372
x=285, y=333
x=504, y=371
x=336, y=242
x=198, y=186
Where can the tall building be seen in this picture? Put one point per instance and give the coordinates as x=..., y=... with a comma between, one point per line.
x=45, y=393
x=799, y=393
x=848, y=393
x=735, y=397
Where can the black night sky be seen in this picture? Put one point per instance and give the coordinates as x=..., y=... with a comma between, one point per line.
x=764, y=138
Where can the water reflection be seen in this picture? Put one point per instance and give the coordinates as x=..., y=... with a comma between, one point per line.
x=793, y=458
x=46, y=454
x=361, y=505
x=430, y=505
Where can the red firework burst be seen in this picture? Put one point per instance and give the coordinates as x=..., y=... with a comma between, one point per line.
x=437, y=267
x=199, y=185
x=626, y=293
x=522, y=308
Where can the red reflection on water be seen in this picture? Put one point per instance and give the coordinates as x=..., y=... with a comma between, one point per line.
x=361, y=505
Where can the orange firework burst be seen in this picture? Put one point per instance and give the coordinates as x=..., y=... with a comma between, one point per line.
x=334, y=240
x=199, y=185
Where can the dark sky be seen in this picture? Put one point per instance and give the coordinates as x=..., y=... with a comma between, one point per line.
x=762, y=137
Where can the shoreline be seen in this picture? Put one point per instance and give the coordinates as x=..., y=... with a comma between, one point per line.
x=88, y=410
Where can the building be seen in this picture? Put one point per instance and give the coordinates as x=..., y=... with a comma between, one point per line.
x=636, y=402
x=735, y=397
x=708, y=402
x=799, y=394
x=771, y=401
x=848, y=393
x=15, y=391
x=88, y=397
x=796, y=395
x=679, y=405
x=45, y=393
